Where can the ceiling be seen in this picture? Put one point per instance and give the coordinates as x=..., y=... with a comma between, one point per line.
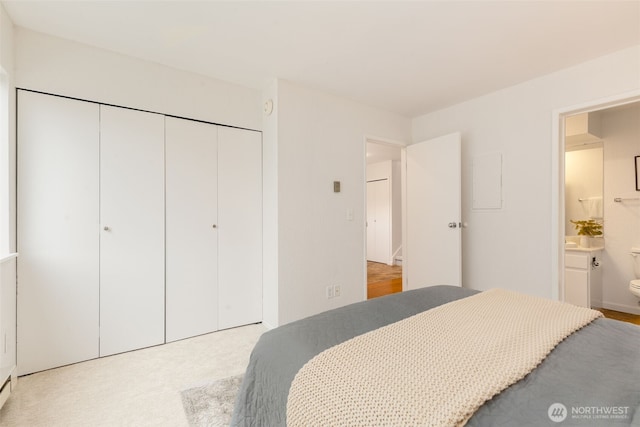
x=408, y=57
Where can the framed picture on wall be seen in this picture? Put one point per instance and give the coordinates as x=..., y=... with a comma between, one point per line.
x=637, y=170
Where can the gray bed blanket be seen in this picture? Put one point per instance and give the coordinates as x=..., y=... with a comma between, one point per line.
x=590, y=379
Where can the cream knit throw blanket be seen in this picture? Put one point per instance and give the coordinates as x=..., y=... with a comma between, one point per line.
x=435, y=368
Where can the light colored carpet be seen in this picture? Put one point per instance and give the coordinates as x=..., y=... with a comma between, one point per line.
x=139, y=388
x=211, y=405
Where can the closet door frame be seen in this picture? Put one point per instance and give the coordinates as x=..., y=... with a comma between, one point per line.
x=127, y=308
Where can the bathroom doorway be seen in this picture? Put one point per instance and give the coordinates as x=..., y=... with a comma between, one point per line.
x=597, y=183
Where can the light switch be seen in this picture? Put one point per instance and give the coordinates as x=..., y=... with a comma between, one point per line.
x=349, y=214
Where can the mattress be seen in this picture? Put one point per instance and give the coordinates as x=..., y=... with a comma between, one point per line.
x=591, y=378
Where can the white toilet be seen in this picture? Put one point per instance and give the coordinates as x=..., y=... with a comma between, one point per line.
x=634, y=285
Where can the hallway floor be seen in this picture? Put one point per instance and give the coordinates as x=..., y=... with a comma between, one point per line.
x=383, y=279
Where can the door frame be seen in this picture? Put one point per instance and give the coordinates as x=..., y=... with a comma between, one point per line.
x=557, y=178
x=403, y=180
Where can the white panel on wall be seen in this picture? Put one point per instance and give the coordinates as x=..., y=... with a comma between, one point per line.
x=192, y=237
x=240, y=227
x=57, y=231
x=487, y=181
x=132, y=236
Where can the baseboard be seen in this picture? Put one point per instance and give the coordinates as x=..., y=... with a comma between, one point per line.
x=621, y=307
x=5, y=391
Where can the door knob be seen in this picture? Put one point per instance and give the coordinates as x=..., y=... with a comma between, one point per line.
x=106, y=228
x=214, y=226
x=453, y=225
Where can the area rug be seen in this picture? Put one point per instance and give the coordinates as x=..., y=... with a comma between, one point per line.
x=211, y=404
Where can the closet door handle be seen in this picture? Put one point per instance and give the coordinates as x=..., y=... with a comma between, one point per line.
x=106, y=228
x=453, y=225
x=214, y=226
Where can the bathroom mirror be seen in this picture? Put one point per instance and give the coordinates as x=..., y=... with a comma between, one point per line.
x=583, y=184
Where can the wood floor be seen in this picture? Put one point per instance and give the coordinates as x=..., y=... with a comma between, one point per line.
x=618, y=315
x=383, y=279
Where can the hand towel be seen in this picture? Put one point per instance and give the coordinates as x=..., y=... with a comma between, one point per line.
x=594, y=207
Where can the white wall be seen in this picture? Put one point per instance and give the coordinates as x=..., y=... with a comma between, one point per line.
x=621, y=133
x=310, y=140
x=53, y=65
x=8, y=268
x=7, y=180
x=321, y=139
x=270, y=231
x=511, y=247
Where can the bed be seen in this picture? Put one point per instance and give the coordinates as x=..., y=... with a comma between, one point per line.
x=594, y=374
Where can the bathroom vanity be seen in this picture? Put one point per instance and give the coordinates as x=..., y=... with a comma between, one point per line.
x=583, y=276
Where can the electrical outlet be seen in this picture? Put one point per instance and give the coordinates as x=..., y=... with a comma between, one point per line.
x=337, y=291
x=329, y=292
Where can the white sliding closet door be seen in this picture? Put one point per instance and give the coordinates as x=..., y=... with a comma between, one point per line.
x=132, y=229
x=58, y=204
x=192, y=235
x=240, y=227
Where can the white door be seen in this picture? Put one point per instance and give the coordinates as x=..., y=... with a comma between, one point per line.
x=192, y=237
x=239, y=227
x=132, y=229
x=57, y=231
x=433, y=234
x=378, y=221
x=371, y=221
